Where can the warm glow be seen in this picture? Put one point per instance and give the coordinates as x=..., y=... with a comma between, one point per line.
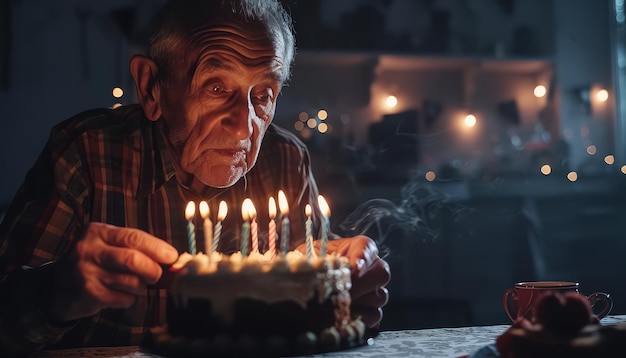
x=282, y=203
x=322, y=128
x=572, y=176
x=117, y=105
x=322, y=114
x=190, y=210
x=312, y=122
x=307, y=210
x=470, y=120
x=540, y=91
x=591, y=149
x=299, y=126
x=546, y=169
x=222, y=211
x=272, y=207
x=204, y=209
x=247, y=209
x=303, y=116
x=323, y=205
x=117, y=92
x=623, y=169
x=602, y=95
x=430, y=175
x=391, y=101
x=609, y=159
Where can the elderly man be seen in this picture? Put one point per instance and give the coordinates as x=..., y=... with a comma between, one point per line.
x=102, y=210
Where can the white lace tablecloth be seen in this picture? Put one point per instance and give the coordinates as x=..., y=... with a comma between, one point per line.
x=439, y=342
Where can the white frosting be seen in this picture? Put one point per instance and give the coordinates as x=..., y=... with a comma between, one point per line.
x=227, y=278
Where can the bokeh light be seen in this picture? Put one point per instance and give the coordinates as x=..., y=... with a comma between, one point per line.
x=609, y=159
x=322, y=114
x=298, y=126
x=391, y=101
x=591, y=149
x=470, y=120
x=303, y=116
x=572, y=176
x=602, y=95
x=117, y=92
x=322, y=128
x=540, y=91
x=311, y=123
x=546, y=169
x=430, y=175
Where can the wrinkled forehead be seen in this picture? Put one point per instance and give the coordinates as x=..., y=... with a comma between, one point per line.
x=252, y=42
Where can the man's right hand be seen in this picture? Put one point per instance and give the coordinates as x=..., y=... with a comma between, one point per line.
x=107, y=268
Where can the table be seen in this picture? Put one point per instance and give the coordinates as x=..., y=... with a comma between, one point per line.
x=437, y=342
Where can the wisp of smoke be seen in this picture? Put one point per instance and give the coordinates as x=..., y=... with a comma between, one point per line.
x=422, y=210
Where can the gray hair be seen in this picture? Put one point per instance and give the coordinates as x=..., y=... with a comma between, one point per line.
x=167, y=36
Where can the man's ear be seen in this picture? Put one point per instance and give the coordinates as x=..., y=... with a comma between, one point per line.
x=144, y=71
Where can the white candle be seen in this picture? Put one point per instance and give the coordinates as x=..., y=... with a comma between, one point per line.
x=221, y=214
x=245, y=228
x=309, y=231
x=254, y=232
x=272, y=227
x=208, y=228
x=284, y=211
x=325, y=224
x=190, y=212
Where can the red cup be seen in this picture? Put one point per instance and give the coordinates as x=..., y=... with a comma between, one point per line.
x=519, y=300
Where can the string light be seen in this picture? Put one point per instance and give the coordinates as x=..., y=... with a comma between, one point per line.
x=322, y=114
x=602, y=95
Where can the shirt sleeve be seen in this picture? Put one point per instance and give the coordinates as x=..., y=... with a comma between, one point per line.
x=42, y=222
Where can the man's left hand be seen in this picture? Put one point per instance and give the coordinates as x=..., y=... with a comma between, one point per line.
x=370, y=275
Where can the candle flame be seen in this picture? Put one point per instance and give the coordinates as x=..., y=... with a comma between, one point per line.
x=190, y=210
x=323, y=206
x=307, y=210
x=272, y=207
x=246, y=209
x=252, y=210
x=222, y=211
x=282, y=203
x=204, y=209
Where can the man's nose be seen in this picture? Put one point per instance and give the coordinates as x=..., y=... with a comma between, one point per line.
x=238, y=122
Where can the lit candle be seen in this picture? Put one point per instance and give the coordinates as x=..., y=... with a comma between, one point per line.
x=284, y=211
x=221, y=214
x=190, y=212
x=309, y=231
x=326, y=224
x=208, y=228
x=253, y=228
x=272, y=227
x=245, y=228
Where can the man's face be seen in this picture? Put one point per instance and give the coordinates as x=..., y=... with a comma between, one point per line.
x=221, y=100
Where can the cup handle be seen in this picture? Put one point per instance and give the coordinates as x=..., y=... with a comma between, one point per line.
x=505, y=302
x=601, y=297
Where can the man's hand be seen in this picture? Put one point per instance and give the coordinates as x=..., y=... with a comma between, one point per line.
x=370, y=275
x=108, y=268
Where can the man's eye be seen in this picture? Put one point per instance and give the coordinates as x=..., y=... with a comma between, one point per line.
x=216, y=88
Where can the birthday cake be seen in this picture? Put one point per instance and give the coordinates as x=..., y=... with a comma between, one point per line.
x=258, y=305
x=563, y=326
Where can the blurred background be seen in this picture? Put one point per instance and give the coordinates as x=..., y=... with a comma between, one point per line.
x=480, y=142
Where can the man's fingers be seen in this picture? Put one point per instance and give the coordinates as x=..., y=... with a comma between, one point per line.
x=153, y=247
x=376, y=298
x=375, y=276
x=125, y=283
x=369, y=315
x=125, y=260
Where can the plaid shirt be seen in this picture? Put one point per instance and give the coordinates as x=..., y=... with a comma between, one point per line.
x=113, y=166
